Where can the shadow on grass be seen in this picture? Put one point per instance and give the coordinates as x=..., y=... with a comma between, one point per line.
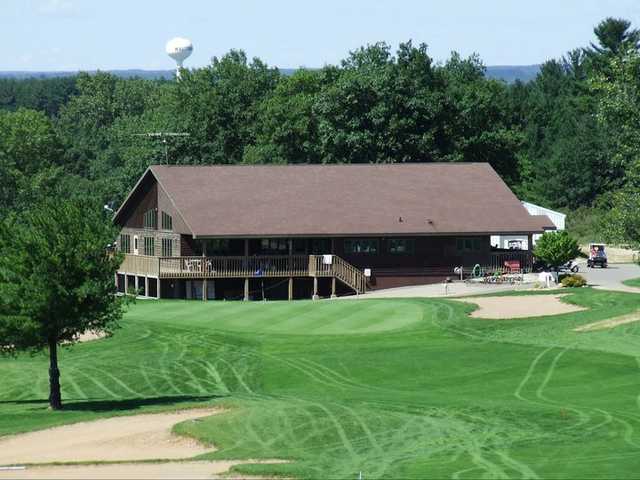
x=89, y=405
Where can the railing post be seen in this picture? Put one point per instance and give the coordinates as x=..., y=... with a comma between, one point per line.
x=312, y=265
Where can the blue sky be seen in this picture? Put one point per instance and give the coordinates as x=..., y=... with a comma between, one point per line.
x=111, y=34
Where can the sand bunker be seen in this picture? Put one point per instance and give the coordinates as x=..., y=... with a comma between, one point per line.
x=610, y=323
x=521, y=306
x=137, y=471
x=137, y=437
x=90, y=336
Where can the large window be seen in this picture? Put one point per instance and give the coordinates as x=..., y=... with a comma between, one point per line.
x=150, y=219
x=125, y=243
x=167, y=247
x=149, y=246
x=218, y=246
x=361, y=246
x=275, y=246
x=468, y=244
x=320, y=246
x=401, y=246
x=167, y=221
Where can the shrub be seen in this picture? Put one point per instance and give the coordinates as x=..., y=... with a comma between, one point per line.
x=573, y=281
x=556, y=248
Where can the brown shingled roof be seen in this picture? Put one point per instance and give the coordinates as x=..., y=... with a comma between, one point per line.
x=399, y=199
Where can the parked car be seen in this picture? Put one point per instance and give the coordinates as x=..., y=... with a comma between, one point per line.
x=597, y=256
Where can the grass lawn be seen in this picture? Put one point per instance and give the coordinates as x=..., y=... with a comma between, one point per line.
x=634, y=282
x=407, y=388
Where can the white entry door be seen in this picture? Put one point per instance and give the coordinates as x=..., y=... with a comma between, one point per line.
x=135, y=245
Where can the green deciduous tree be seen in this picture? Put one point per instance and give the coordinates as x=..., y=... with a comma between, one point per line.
x=30, y=153
x=383, y=108
x=56, y=279
x=618, y=93
x=286, y=127
x=556, y=248
x=622, y=220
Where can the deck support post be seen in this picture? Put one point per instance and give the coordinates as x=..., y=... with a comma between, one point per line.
x=204, y=290
x=246, y=289
x=315, y=289
x=158, y=287
x=126, y=284
x=146, y=286
x=290, y=288
x=333, y=287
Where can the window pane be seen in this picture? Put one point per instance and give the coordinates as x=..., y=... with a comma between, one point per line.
x=149, y=246
x=150, y=219
x=167, y=221
x=125, y=243
x=167, y=247
x=401, y=245
x=361, y=245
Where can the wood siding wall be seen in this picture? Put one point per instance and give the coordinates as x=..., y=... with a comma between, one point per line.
x=158, y=236
x=145, y=199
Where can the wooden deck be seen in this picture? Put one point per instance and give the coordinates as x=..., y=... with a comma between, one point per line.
x=246, y=267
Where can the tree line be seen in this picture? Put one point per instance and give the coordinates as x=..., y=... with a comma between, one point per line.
x=569, y=139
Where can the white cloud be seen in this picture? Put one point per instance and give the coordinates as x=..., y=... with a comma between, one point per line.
x=56, y=7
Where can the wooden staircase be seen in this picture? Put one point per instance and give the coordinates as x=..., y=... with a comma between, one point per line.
x=338, y=268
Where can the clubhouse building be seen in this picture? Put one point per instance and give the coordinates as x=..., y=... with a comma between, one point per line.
x=309, y=231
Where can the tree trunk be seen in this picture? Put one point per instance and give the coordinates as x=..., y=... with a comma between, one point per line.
x=55, y=398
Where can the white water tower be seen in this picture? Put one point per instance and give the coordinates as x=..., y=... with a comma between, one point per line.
x=179, y=49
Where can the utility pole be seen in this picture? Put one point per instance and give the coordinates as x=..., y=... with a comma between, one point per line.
x=162, y=136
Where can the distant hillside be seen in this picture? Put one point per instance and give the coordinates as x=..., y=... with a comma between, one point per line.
x=508, y=73
x=148, y=74
x=511, y=73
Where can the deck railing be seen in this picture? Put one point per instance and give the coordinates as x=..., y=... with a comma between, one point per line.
x=141, y=265
x=247, y=267
x=234, y=267
x=523, y=257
